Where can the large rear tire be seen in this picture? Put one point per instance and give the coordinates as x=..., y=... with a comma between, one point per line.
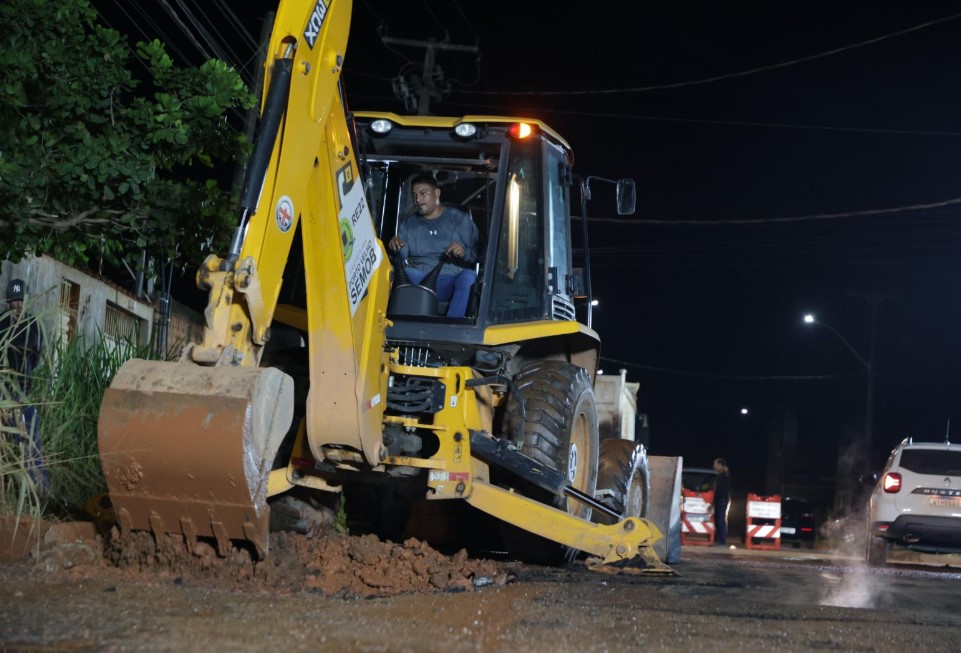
x=552, y=416
x=623, y=480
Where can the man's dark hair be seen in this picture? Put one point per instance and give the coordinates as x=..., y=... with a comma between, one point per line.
x=424, y=178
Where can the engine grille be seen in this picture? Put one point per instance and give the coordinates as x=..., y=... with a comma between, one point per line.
x=562, y=308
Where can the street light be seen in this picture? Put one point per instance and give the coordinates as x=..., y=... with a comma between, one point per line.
x=869, y=369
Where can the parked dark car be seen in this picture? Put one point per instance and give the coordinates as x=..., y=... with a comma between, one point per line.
x=797, y=523
x=698, y=479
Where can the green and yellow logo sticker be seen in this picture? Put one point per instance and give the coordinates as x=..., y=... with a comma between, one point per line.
x=346, y=238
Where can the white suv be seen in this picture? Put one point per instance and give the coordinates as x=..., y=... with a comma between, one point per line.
x=917, y=501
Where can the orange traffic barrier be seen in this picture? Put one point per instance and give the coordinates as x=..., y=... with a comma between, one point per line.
x=697, y=517
x=763, y=530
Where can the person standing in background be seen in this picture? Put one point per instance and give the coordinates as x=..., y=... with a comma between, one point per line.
x=722, y=498
x=21, y=343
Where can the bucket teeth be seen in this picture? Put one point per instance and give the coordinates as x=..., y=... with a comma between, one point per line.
x=187, y=449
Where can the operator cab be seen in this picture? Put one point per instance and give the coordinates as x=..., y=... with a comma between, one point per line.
x=466, y=191
x=513, y=179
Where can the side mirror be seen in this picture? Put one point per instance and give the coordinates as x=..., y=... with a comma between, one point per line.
x=626, y=196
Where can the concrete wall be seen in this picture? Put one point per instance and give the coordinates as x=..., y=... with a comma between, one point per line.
x=73, y=303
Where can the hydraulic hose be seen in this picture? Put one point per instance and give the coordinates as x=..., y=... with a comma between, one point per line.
x=274, y=107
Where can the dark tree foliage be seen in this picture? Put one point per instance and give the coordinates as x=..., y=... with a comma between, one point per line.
x=105, y=152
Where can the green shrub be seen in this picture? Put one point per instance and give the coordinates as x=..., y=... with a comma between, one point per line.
x=69, y=400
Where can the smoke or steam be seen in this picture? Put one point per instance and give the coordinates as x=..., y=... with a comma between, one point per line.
x=854, y=585
x=856, y=588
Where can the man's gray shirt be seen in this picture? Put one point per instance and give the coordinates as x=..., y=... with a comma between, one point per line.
x=425, y=240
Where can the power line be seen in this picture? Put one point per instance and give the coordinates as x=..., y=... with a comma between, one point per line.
x=235, y=24
x=467, y=21
x=220, y=45
x=798, y=218
x=717, y=78
x=138, y=24
x=437, y=20
x=708, y=121
x=754, y=123
x=183, y=28
x=899, y=242
x=241, y=30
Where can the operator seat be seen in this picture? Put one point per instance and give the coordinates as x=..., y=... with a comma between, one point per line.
x=413, y=299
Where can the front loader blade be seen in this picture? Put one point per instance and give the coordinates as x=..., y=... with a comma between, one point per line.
x=187, y=449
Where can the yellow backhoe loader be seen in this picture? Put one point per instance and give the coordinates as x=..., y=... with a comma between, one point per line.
x=323, y=371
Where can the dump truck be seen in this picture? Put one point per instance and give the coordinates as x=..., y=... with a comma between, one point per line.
x=323, y=373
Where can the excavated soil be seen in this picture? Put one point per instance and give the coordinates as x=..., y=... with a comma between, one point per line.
x=332, y=565
x=335, y=565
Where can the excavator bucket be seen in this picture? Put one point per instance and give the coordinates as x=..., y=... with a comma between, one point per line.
x=187, y=449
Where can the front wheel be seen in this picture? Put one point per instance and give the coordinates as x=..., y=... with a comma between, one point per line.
x=552, y=416
x=623, y=480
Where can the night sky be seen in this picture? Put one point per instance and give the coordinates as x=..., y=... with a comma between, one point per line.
x=781, y=153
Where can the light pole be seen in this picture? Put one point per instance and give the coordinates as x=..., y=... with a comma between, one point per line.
x=869, y=369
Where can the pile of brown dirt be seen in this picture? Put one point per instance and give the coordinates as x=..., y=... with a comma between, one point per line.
x=334, y=565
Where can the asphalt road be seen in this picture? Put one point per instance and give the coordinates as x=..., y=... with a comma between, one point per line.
x=720, y=600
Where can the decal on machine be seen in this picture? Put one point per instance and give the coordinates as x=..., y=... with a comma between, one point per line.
x=316, y=22
x=358, y=241
x=285, y=214
x=437, y=475
x=346, y=239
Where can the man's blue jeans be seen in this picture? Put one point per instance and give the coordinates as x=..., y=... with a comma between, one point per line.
x=33, y=452
x=454, y=288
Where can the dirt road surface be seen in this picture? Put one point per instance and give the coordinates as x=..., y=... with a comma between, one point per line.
x=360, y=594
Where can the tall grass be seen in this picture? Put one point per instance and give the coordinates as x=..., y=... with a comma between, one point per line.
x=19, y=491
x=67, y=390
x=69, y=405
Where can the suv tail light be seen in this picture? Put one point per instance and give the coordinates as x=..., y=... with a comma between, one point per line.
x=891, y=483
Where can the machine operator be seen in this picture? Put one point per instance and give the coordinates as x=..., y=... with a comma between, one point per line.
x=431, y=232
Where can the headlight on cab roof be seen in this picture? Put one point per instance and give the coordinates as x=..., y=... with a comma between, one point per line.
x=466, y=130
x=381, y=126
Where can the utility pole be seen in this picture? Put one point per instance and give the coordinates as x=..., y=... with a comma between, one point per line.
x=874, y=299
x=424, y=86
x=845, y=498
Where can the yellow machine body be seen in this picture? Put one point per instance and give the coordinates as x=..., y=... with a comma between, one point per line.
x=191, y=447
